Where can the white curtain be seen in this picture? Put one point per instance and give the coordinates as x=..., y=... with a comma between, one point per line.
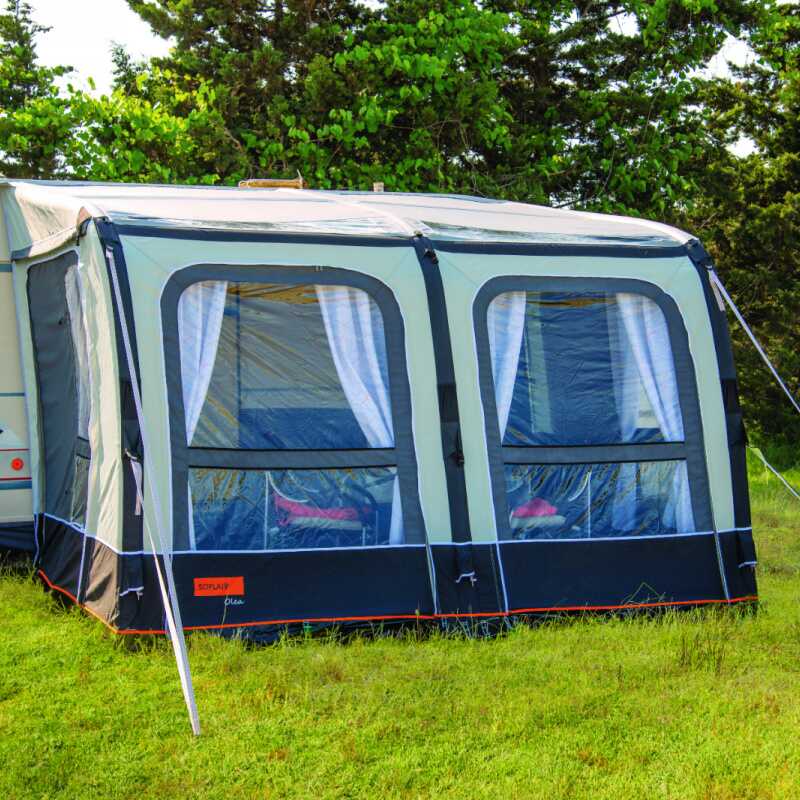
x=73, y=285
x=506, y=321
x=627, y=384
x=648, y=344
x=200, y=312
x=355, y=336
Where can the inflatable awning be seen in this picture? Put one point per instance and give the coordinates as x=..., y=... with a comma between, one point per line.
x=41, y=216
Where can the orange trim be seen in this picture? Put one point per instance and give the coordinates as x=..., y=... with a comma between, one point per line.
x=58, y=588
x=397, y=617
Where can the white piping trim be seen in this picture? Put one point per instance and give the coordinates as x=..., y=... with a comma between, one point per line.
x=74, y=525
x=457, y=544
x=301, y=550
x=80, y=569
x=502, y=575
x=75, y=528
x=643, y=537
x=138, y=589
x=721, y=564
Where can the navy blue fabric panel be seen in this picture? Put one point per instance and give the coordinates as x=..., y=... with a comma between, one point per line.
x=612, y=572
x=17, y=536
x=349, y=587
x=306, y=585
x=451, y=563
x=739, y=557
x=60, y=550
x=468, y=579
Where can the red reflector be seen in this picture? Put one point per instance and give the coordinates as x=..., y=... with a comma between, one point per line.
x=218, y=587
x=17, y=464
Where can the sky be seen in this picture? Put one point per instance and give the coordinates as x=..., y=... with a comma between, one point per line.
x=83, y=32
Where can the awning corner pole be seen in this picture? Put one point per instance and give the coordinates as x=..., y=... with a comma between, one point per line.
x=718, y=283
x=166, y=580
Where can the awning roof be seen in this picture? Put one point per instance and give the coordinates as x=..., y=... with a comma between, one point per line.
x=42, y=215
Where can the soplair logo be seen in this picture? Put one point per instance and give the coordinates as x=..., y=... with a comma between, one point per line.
x=229, y=588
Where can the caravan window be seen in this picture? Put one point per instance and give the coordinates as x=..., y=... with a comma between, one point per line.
x=296, y=414
x=587, y=413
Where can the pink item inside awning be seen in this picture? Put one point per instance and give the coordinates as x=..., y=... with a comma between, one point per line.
x=296, y=509
x=535, y=508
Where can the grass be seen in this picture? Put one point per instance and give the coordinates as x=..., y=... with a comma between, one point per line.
x=686, y=705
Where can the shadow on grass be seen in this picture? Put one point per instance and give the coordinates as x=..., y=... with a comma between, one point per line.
x=15, y=564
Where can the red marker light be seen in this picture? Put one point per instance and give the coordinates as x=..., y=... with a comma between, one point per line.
x=17, y=464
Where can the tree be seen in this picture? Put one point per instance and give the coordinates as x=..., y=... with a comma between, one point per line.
x=748, y=214
x=33, y=122
x=605, y=101
x=550, y=102
x=593, y=105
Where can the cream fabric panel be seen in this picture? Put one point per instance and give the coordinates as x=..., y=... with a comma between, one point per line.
x=104, y=517
x=151, y=261
x=41, y=219
x=464, y=275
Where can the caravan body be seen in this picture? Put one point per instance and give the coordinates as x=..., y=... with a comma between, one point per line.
x=370, y=407
x=16, y=517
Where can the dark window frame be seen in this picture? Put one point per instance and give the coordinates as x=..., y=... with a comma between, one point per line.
x=691, y=449
x=69, y=443
x=184, y=457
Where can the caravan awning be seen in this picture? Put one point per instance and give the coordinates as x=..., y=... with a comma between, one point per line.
x=43, y=215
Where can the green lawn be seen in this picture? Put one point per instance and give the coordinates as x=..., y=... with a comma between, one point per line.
x=683, y=706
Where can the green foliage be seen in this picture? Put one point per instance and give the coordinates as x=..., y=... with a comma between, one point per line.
x=548, y=102
x=748, y=214
x=697, y=706
x=32, y=120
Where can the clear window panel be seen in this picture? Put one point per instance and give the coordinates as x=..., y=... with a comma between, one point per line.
x=582, y=369
x=268, y=366
x=235, y=509
x=80, y=489
x=583, y=501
